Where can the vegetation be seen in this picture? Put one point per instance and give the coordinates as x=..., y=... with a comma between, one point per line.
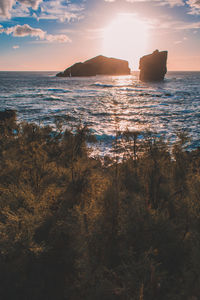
x=76, y=227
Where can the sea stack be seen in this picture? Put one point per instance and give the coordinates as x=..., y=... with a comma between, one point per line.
x=153, y=67
x=99, y=65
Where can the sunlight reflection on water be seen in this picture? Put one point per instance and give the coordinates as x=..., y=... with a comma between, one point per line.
x=106, y=103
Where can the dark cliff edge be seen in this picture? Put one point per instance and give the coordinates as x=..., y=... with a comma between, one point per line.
x=99, y=65
x=153, y=67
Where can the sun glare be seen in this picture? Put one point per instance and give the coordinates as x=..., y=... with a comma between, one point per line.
x=126, y=37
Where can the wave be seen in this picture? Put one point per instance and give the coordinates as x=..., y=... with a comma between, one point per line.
x=96, y=101
x=62, y=117
x=103, y=85
x=56, y=90
x=101, y=114
x=183, y=93
x=52, y=98
x=27, y=95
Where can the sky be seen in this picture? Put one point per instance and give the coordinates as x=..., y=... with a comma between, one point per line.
x=51, y=35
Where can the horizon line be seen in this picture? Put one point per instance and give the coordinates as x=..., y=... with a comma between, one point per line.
x=172, y=70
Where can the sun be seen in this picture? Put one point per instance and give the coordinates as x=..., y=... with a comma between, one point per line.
x=126, y=37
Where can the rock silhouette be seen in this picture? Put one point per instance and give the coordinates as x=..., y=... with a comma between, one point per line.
x=99, y=65
x=153, y=66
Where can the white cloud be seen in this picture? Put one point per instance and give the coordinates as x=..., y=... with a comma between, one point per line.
x=20, y=11
x=6, y=6
x=62, y=11
x=16, y=47
x=54, y=9
x=194, y=3
x=181, y=41
x=135, y=1
x=171, y=3
x=167, y=24
x=60, y=38
x=31, y=3
x=26, y=30
x=194, y=7
x=109, y=0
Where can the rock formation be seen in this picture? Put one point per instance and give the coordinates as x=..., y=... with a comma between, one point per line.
x=153, y=66
x=7, y=114
x=99, y=65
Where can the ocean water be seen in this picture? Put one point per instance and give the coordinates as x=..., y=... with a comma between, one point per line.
x=107, y=103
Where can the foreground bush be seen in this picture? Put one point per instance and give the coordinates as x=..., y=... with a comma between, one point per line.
x=76, y=227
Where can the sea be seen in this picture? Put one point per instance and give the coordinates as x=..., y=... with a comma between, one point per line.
x=107, y=104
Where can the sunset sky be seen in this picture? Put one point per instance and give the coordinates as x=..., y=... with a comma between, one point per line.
x=53, y=34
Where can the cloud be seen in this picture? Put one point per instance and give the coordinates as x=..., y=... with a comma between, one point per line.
x=6, y=6
x=171, y=3
x=181, y=41
x=62, y=11
x=16, y=47
x=60, y=38
x=31, y=3
x=177, y=25
x=54, y=9
x=26, y=30
x=194, y=7
x=135, y=1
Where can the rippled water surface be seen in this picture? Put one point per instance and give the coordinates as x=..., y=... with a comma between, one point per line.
x=106, y=103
